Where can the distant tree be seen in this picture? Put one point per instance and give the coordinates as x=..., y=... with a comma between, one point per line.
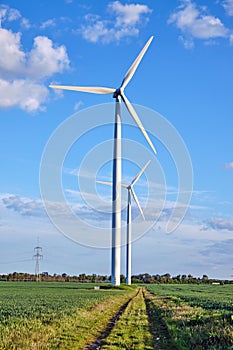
x=205, y=279
x=177, y=279
x=135, y=280
x=184, y=278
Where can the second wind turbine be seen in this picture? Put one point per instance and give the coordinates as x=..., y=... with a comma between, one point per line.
x=118, y=94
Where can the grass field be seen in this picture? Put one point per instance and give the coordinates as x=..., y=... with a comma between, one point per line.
x=75, y=316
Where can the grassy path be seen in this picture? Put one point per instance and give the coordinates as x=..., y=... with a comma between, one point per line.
x=132, y=331
x=158, y=327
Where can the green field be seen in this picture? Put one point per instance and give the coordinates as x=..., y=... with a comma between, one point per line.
x=75, y=316
x=54, y=315
x=196, y=316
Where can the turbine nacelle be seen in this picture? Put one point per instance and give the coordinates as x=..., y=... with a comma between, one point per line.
x=130, y=186
x=117, y=93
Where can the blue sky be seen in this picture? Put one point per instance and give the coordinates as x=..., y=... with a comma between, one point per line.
x=186, y=76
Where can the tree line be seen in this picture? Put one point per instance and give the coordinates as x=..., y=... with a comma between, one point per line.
x=95, y=278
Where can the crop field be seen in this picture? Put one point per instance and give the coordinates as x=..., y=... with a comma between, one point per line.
x=195, y=316
x=75, y=316
x=54, y=315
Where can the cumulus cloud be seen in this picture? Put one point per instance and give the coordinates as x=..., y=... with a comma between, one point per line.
x=228, y=6
x=26, y=94
x=30, y=207
x=46, y=59
x=23, y=205
x=128, y=14
x=12, y=58
x=228, y=166
x=124, y=21
x=195, y=22
x=23, y=72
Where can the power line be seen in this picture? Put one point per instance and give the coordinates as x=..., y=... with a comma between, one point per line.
x=14, y=261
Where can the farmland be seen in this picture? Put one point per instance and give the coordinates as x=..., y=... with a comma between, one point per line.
x=75, y=316
x=54, y=315
x=195, y=316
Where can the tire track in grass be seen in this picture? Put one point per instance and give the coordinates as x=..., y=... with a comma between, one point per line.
x=132, y=329
x=99, y=341
x=161, y=338
x=138, y=325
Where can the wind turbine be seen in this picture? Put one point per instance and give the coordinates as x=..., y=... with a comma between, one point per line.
x=118, y=94
x=131, y=193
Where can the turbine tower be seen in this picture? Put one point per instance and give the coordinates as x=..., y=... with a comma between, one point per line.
x=131, y=193
x=118, y=94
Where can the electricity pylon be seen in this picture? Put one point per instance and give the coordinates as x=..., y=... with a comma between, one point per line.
x=37, y=256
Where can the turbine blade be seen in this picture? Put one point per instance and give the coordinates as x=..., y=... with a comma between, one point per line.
x=92, y=89
x=135, y=64
x=105, y=183
x=140, y=173
x=124, y=186
x=137, y=120
x=110, y=184
x=137, y=202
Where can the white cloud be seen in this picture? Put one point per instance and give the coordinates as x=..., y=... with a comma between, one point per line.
x=126, y=22
x=48, y=23
x=195, y=23
x=228, y=6
x=26, y=94
x=26, y=206
x=13, y=14
x=128, y=14
x=12, y=58
x=3, y=12
x=45, y=59
x=23, y=72
x=229, y=166
x=8, y=14
x=23, y=205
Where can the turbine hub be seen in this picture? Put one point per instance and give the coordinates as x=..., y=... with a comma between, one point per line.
x=117, y=93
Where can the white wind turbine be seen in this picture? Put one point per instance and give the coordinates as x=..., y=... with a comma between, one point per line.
x=131, y=193
x=118, y=94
